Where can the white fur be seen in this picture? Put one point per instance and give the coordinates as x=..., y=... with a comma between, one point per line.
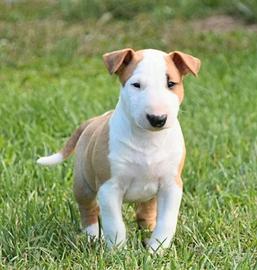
x=144, y=163
x=169, y=198
x=51, y=160
x=153, y=97
x=110, y=201
x=92, y=231
x=144, y=160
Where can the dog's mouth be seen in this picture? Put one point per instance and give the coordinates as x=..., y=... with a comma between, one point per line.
x=150, y=128
x=154, y=129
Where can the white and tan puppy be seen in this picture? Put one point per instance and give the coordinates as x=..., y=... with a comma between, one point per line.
x=136, y=152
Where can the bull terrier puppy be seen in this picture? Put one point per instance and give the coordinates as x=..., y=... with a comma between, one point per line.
x=136, y=152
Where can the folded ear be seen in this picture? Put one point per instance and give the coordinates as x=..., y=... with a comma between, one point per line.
x=117, y=60
x=185, y=63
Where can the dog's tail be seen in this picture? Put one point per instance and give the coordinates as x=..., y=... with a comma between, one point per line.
x=66, y=151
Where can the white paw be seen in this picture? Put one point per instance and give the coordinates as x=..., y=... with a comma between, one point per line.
x=156, y=247
x=115, y=242
x=92, y=231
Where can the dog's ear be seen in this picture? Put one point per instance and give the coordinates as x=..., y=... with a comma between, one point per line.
x=117, y=60
x=185, y=63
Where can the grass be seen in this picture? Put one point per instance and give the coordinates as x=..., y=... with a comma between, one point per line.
x=52, y=78
x=80, y=10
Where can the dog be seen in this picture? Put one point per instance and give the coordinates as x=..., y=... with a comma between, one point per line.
x=136, y=152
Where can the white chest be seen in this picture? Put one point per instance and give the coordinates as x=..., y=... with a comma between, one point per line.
x=142, y=178
x=141, y=163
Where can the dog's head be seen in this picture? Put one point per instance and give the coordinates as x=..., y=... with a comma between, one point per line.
x=152, y=83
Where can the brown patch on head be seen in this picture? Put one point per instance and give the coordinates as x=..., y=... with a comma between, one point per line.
x=179, y=91
x=172, y=71
x=126, y=72
x=122, y=62
x=178, y=65
x=174, y=75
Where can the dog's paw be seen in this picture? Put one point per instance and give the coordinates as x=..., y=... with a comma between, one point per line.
x=154, y=246
x=117, y=244
x=92, y=232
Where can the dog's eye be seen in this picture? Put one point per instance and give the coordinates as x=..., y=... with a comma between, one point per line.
x=137, y=85
x=170, y=84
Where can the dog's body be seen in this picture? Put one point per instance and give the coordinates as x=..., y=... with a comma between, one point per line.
x=135, y=153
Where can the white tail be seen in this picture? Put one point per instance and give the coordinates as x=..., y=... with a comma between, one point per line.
x=67, y=149
x=51, y=160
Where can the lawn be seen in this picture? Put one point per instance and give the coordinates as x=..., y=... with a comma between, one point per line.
x=52, y=78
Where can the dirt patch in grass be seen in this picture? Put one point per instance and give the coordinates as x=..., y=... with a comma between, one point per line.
x=222, y=23
x=25, y=41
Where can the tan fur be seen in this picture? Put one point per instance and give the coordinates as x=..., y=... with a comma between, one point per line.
x=185, y=63
x=175, y=76
x=125, y=72
x=116, y=59
x=179, y=91
x=180, y=168
x=92, y=167
x=146, y=214
x=178, y=65
x=72, y=141
x=172, y=71
x=122, y=62
x=89, y=211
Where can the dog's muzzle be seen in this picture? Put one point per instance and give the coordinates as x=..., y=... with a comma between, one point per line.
x=157, y=121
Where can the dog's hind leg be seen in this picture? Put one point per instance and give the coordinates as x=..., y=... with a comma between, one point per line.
x=146, y=214
x=88, y=207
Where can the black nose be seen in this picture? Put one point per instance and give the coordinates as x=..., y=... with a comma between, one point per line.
x=157, y=120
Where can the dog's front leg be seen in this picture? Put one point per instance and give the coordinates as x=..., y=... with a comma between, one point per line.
x=110, y=198
x=169, y=198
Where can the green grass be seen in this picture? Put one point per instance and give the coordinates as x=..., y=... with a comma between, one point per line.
x=80, y=10
x=52, y=78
